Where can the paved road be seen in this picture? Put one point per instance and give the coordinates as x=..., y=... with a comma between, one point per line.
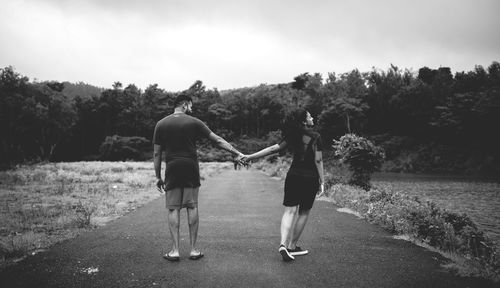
x=239, y=234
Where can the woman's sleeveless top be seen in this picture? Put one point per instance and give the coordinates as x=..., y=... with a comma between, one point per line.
x=303, y=163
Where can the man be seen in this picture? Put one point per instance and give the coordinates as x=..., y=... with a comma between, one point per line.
x=177, y=134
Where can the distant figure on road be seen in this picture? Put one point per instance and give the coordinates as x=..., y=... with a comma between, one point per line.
x=237, y=165
x=177, y=134
x=303, y=180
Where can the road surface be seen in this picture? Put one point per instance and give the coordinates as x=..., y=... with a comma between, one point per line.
x=240, y=214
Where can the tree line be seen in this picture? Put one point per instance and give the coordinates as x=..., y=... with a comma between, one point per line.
x=68, y=122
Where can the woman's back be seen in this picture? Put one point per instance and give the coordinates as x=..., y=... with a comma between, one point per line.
x=304, y=157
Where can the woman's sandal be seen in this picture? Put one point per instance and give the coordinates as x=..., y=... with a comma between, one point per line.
x=285, y=254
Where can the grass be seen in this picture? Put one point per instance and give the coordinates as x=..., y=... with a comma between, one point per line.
x=43, y=204
x=425, y=223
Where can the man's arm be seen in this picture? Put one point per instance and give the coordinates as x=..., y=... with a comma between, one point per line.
x=157, y=154
x=223, y=144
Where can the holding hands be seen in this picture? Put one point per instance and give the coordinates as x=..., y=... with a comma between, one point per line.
x=243, y=160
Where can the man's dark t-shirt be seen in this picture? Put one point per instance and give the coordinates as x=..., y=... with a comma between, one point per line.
x=177, y=134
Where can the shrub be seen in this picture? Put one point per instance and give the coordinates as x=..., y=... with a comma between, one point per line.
x=84, y=212
x=361, y=156
x=118, y=148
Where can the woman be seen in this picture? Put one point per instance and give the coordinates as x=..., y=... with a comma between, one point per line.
x=303, y=180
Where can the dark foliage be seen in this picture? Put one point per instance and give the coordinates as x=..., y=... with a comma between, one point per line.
x=117, y=148
x=433, y=107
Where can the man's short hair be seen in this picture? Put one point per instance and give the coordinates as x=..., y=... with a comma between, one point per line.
x=181, y=99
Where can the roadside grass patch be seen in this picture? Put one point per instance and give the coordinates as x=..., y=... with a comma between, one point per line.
x=46, y=203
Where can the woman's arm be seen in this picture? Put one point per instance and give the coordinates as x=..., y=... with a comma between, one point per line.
x=318, y=157
x=267, y=151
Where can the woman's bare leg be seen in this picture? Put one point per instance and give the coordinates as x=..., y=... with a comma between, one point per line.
x=287, y=224
x=300, y=223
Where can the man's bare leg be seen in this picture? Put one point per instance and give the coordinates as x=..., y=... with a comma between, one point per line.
x=173, y=227
x=193, y=221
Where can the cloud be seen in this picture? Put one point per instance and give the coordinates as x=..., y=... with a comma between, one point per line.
x=229, y=44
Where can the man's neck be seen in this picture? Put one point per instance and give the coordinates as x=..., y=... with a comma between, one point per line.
x=179, y=110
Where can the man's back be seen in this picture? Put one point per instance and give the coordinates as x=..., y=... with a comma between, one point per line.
x=178, y=133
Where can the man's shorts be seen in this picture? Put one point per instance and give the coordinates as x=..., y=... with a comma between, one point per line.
x=183, y=197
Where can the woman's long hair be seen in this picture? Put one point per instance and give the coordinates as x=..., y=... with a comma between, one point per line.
x=293, y=128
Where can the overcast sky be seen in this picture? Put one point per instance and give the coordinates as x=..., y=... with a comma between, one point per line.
x=234, y=43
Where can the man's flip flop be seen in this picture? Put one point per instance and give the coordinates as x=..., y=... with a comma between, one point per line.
x=171, y=258
x=196, y=257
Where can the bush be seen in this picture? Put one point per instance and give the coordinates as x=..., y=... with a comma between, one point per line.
x=84, y=213
x=361, y=156
x=118, y=148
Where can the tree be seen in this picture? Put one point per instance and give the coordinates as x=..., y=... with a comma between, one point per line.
x=300, y=81
x=88, y=131
x=346, y=104
x=55, y=86
x=265, y=112
x=13, y=87
x=219, y=115
x=350, y=101
x=202, y=99
x=155, y=104
x=55, y=119
x=494, y=74
x=117, y=85
x=83, y=90
x=309, y=87
x=109, y=107
x=412, y=107
x=381, y=88
x=35, y=118
x=426, y=75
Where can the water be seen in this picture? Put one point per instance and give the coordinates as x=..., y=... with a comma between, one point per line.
x=480, y=199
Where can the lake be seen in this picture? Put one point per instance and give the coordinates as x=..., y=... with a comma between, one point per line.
x=478, y=198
